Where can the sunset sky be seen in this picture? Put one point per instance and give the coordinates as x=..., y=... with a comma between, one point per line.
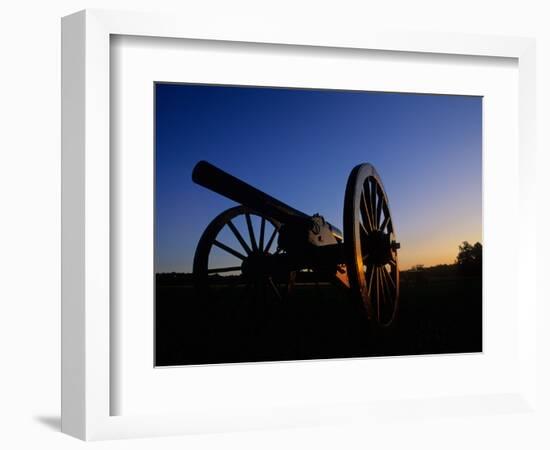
x=300, y=146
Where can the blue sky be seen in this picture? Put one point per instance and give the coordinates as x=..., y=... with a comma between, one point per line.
x=299, y=145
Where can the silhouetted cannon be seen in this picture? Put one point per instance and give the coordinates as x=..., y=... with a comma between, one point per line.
x=264, y=242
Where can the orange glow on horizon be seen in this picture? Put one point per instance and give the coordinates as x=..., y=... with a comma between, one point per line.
x=432, y=253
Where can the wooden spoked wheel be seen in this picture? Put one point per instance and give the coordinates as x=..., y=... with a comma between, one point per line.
x=232, y=259
x=370, y=245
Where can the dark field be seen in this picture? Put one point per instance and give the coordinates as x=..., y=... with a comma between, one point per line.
x=441, y=315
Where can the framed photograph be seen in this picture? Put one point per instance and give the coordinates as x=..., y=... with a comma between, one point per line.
x=264, y=281
x=265, y=228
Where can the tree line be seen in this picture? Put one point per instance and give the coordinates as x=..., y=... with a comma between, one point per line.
x=468, y=262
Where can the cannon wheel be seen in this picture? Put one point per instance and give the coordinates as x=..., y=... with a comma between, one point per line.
x=370, y=245
x=248, y=248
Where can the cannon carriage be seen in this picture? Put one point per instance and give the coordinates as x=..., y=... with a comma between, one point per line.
x=284, y=241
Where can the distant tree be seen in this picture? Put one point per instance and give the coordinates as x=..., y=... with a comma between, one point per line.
x=418, y=267
x=469, y=259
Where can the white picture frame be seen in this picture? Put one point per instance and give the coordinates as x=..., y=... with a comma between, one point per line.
x=87, y=385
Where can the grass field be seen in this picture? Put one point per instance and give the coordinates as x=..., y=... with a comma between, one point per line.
x=439, y=315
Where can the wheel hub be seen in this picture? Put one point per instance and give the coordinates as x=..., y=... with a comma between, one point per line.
x=378, y=248
x=255, y=265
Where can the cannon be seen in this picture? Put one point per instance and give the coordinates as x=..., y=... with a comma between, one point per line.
x=275, y=241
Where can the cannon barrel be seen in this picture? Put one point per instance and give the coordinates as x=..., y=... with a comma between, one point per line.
x=215, y=179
